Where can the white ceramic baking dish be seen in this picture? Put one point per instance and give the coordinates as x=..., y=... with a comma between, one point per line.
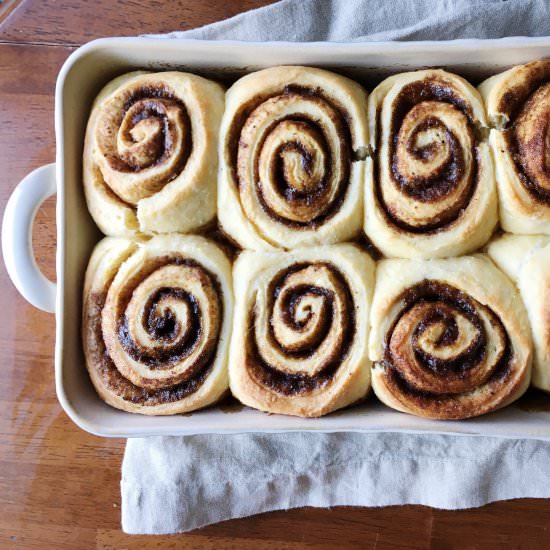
x=81, y=77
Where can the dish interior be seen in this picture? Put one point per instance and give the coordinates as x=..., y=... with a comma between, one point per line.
x=81, y=78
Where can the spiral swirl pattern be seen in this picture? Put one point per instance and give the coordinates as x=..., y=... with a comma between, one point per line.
x=447, y=353
x=297, y=345
x=530, y=137
x=432, y=155
x=290, y=157
x=162, y=326
x=153, y=328
x=150, y=153
x=293, y=160
x=432, y=169
x=444, y=342
x=518, y=105
x=303, y=331
x=144, y=141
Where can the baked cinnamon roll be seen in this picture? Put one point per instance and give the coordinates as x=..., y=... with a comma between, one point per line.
x=518, y=106
x=432, y=193
x=291, y=144
x=450, y=337
x=299, y=343
x=150, y=154
x=526, y=260
x=156, y=323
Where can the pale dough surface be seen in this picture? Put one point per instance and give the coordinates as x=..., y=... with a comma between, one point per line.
x=526, y=260
x=477, y=277
x=519, y=212
x=187, y=201
x=253, y=273
x=115, y=261
x=241, y=214
x=477, y=219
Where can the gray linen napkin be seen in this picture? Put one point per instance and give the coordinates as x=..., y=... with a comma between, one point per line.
x=174, y=484
x=369, y=20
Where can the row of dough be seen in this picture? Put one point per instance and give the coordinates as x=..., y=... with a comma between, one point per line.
x=296, y=156
x=169, y=324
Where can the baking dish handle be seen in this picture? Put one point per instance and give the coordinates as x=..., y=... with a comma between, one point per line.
x=19, y=215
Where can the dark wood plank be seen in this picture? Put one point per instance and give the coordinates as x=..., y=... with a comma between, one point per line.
x=521, y=524
x=341, y=527
x=70, y=22
x=59, y=487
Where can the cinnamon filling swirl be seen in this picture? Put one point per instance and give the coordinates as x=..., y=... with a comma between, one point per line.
x=115, y=382
x=444, y=343
x=300, y=329
x=291, y=156
x=144, y=141
x=528, y=139
x=432, y=158
x=157, y=340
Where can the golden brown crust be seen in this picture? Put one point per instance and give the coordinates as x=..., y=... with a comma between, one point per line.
x=301, y=318
x=156, y=323
x=449, y=338
x=433, y=192
x=518, y=106
x=290, y=173
x=150, y=153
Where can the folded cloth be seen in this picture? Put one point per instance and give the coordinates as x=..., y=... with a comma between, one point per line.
x=174, y=484
x=368, y=20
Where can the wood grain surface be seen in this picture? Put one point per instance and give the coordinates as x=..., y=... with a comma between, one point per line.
x=59, y=486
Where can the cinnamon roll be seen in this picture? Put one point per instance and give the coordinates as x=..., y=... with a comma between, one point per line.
x=449, y=339
x=150, y=153
x=292, y=142
x=156, y=323
x=518, y=106
x=299, y=343
x=432, y=192
x=526, y=260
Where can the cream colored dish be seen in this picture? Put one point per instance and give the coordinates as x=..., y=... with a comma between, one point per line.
x=83, y=75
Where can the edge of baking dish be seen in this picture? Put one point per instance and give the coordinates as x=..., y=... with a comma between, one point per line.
x=98, y=61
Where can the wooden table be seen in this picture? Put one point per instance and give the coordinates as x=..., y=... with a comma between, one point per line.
x=59, y=486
